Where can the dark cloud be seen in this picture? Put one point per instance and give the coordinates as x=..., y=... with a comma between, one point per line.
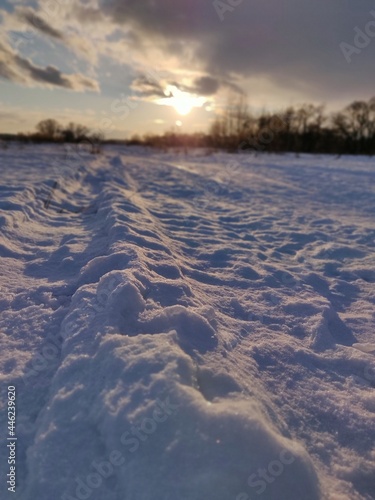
x=20, y=70
x=205, y=85
x=147, y=86
x=168, y=18
x=151, y=86
x=34, y=20
x=294, y=44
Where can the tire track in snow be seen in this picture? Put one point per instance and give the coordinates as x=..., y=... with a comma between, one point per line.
x=56, y=244
x=133, y=230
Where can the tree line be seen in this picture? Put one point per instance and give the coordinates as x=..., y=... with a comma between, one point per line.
x=50, y=130
x=306, y=128
x=302, y=129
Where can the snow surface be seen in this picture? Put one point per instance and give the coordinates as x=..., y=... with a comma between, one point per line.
x=188, y=327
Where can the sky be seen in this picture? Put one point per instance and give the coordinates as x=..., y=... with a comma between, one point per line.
x=124, y=67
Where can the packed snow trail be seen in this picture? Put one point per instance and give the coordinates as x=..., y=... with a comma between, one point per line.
x=188, y=327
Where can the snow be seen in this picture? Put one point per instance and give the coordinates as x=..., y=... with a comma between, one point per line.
x=188, y=327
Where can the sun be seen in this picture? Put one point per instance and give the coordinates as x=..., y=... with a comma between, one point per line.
x=183, y=105
x=182, y=102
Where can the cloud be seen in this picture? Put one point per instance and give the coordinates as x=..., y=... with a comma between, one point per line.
x=86, y=14
x=206, y=85
x=38, y=23
x=147, y=86
x=294, y=44
x=18, y=69
x=203, y=85
x=151, y=87
x=274, y=51
x=34, y=20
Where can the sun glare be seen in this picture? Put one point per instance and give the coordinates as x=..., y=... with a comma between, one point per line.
x=183, y=106
x=182, y=102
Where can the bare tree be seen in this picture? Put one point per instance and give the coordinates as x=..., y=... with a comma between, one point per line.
x=354, y=121
x=49, y=129
x=231, y=128
x=75, y=132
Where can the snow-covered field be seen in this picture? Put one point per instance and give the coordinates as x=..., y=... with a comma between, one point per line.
x=188, y=327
